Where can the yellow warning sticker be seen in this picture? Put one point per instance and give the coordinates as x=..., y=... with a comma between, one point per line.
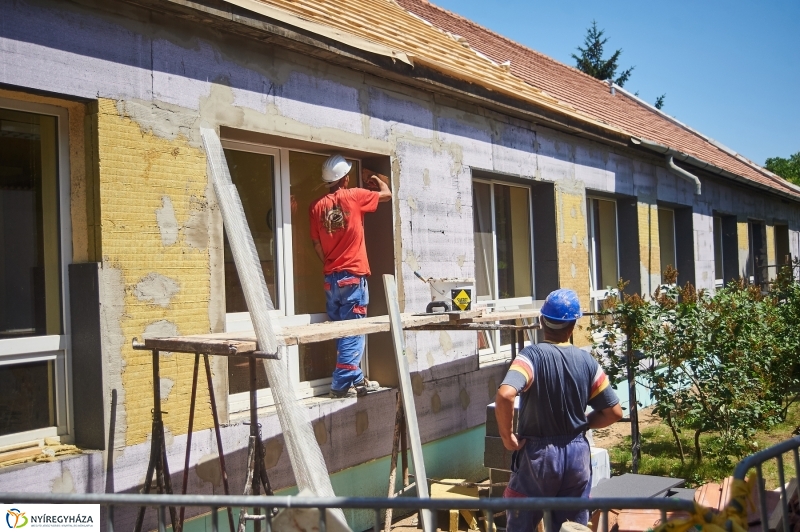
x=462, y=300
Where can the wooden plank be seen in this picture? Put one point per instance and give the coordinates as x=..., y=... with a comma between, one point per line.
x=407, y=395
x=450, y=491
x=504, y=315
x=776, y=515
x=725, y=492
x=638, y=520
x=330, y=330
x=709, y=495
x=239, y=343
x=243, y=343
x=21, y=454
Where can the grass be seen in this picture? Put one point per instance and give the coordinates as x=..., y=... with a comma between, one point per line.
x=660, y=456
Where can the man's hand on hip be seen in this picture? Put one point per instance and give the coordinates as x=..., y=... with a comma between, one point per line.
x=511, y=443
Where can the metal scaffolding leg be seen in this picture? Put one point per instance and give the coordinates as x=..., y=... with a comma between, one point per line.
x=256, y=470
x=158, y=464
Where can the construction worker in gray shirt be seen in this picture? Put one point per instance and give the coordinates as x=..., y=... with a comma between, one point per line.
x=556, y=382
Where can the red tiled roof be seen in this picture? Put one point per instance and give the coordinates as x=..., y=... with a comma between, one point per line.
x=592, y=96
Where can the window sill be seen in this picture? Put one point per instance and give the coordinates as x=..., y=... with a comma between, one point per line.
x=491, y=359
x=306, y=402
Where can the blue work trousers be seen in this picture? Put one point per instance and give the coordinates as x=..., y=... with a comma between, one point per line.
x=549, y=467
x=346, y=298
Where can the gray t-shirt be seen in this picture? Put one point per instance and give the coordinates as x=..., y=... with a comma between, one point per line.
x=556, y=383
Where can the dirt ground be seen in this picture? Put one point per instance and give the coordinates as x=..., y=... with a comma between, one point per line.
x=616, y=433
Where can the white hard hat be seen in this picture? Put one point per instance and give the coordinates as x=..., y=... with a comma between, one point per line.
x=334, y=168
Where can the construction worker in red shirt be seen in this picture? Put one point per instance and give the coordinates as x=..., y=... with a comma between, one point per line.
x=337, y=231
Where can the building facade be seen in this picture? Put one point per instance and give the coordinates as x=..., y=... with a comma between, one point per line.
x=110, y=230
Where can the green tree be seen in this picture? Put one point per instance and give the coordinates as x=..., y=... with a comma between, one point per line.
x=660, y=101
x=591, y=60
x=789, y=169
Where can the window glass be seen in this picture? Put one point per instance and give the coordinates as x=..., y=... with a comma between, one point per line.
x=317, y=360
x=27, y=400
x=483, y=238
x=666, y=239
x=718, y=269
x=512, y=227
x=604, y=259
x=30, y=278
x=758, y=252
x=782, y=251
x=254, y=177
x=503, y=255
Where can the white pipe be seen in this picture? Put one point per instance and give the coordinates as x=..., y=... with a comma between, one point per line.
x=680, y=172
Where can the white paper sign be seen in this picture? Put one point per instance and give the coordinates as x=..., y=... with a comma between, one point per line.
x=51, y=517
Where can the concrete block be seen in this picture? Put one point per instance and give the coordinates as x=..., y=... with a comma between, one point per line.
x=495, y=455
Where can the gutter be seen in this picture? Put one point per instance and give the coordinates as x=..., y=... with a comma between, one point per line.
x=671, y=154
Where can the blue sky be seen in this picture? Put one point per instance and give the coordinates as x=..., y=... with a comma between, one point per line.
x=730, y=69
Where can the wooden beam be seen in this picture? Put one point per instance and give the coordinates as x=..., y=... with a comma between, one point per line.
x=244, y=344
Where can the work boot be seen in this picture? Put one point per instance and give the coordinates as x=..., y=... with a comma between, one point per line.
x=365, y=386
x=347, y=393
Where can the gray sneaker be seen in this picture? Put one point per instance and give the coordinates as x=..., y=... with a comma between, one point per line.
x=365, y=386
x=347, y=393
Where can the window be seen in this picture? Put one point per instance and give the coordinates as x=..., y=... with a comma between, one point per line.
x=603, y=248
x=757, y=265
x=666, y=240
x=276, y=187
x=34, y=242
x=782, y=251
x=719, y=266
x=503, y=251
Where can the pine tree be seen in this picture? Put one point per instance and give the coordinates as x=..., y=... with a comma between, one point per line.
x=591, y=59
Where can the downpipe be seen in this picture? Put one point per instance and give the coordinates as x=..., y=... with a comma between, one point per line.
x=683, y=174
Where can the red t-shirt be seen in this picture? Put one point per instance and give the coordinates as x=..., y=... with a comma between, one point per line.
x=337, y=221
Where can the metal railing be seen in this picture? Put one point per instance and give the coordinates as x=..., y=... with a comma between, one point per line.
x=757, y=461
x=487, y=506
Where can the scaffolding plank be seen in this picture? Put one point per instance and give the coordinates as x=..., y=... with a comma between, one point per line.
x=244, y=343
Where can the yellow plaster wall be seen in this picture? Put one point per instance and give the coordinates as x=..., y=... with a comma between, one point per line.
x=649, y=246
x=743, y=243
x=136, y=170
x=573, y=255
x=771, y=260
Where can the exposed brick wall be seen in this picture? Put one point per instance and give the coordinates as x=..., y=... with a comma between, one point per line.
x=649, y=248
x=573, y=253
x=138, y=173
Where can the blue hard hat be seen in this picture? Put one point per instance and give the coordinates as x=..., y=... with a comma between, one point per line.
x=562, y=305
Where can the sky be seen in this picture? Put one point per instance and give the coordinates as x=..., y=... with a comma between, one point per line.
x=730, y=69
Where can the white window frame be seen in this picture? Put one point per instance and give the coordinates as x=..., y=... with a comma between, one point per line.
x=284, y=263
x=50, y=347
x=495, y=351
x=597, y=294
x=718, y=282
x=674, y=245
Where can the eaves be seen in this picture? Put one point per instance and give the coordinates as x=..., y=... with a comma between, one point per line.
x=226, y=16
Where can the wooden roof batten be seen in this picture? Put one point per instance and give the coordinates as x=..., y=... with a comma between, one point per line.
x=498, y=90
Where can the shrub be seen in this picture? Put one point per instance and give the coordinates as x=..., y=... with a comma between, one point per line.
x=725, y=363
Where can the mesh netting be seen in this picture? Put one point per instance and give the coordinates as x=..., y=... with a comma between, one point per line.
x=304, y=453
